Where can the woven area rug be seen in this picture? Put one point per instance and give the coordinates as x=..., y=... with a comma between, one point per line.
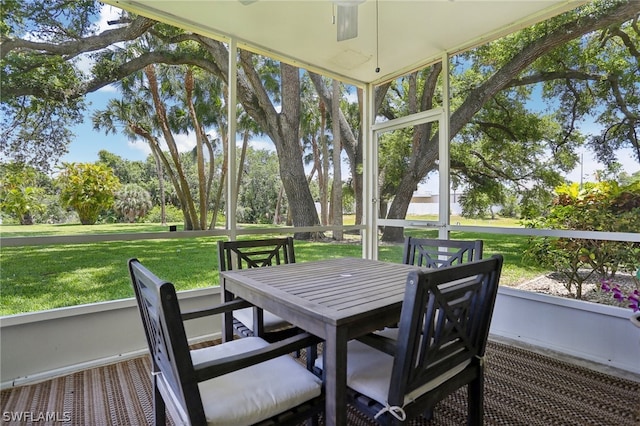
x=522, y=388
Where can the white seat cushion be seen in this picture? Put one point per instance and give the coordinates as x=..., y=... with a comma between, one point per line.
x=388, y=332
x=255, y=393
x=369, y=372
x=271, y=321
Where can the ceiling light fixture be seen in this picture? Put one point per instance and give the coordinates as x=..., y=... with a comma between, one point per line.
x=347, y=18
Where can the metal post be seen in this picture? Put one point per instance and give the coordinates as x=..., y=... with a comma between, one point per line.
x=369, y=176
x=232, y=79
x=444, y=207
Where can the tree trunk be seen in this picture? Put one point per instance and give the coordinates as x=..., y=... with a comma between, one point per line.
x=320, y=160
x=243, y=154
x=303, y=212
x=276, y=215
x=161, y=162
x=163, y=208
x=283, y=128
x=202, y=188
x=324, y=188
x=356, y=165
x=424, y=153
x=26, y=219
x=223, y=176
x=351, y=144
x=186, y=202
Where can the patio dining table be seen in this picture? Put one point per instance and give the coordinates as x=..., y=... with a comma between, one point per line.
x=334, y=299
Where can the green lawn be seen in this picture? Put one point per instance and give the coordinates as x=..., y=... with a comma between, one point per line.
x=36, y=278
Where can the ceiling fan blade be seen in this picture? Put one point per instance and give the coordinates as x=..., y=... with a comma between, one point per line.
x=347, y=21
x=247, y=2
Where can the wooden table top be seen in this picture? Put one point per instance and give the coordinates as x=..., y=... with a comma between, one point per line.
x=337, y=291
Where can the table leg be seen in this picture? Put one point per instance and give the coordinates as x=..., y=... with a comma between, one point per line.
x=227, y=317
x=335, y=374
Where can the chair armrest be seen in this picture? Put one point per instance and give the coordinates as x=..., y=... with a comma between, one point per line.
x=218, y=309
x=218, y=367
x=381, y=343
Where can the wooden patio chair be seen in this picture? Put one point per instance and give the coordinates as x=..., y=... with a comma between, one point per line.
x=243, y=382
x=435, y=253
x=256, y=254
x=439, y=348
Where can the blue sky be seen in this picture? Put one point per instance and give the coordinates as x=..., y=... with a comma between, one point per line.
x=88, y=141
x=85, y=146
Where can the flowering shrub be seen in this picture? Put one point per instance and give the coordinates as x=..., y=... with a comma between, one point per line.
x=633, y=298
x=601, y=206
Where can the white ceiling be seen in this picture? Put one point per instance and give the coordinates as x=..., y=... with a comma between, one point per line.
x=409, y=33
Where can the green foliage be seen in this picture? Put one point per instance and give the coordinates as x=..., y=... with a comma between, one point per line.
x=626, y=179
x=132, y=201
x=140, y=116
x=125, y=170
x=510, y=206
x=477, y=202
x=53, y=212
x=602, y=206
x=348, y=198
x=394, y=157
x=259, y=189
x=88, y=189
x=20, y=198
x=535, y=202
x=172, y=214
x=35, y=126
x=504, y=150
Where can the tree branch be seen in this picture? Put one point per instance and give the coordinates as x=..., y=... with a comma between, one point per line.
x=72, y=48
x=627, y=41
x=488, y=125
x=554, y=75
x=501, y=79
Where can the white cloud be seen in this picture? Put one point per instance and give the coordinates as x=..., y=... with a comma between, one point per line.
x=260, y=144
x=185, y=143
x=109, y=88
x=139, y=145
x=107, y=13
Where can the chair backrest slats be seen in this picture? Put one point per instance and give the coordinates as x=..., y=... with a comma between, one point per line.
x=255, y=253
x=435, y=253
x=167, y=339
x=444, y=322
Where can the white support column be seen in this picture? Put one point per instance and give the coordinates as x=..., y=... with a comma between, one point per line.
x=232, y=79
x=444, y=161
x=369, y=176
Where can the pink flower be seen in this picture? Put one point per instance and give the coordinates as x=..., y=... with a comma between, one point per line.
x=634, y=298
x=606, y=285
x=619, y=296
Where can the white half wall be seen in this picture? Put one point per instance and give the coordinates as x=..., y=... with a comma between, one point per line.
x=590, y=331
x=40, y=345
